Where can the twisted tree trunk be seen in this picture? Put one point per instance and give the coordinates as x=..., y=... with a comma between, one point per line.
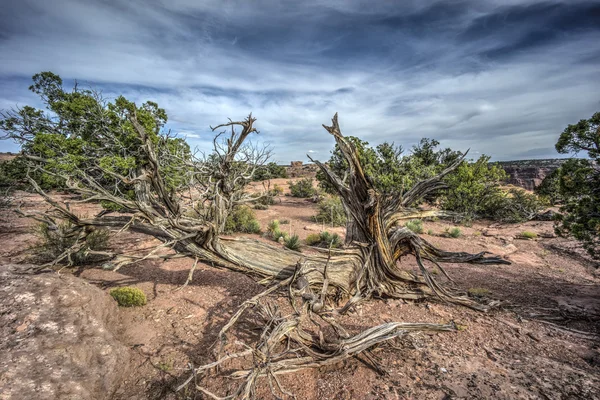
x=367, y=266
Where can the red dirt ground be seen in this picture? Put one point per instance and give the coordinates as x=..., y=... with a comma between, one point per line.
x=518, y=351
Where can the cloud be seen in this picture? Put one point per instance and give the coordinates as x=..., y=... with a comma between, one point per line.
x=499, y=77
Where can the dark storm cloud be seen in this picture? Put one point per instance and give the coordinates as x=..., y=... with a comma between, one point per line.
x=498, y=76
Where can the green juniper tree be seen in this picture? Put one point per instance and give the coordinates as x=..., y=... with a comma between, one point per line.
x=579, y=181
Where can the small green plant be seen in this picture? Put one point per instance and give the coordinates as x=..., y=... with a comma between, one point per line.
x=277, y=190
x=278, y=235
x=242, y=219
x=259, y=206
x=478, y=292
x=129, y=296
x=415, y=225
x=477, y=233
x=324, y=239
x=430, y=232
x=331, y=211
x=292, y=242
x=453, y=232
x=302, y=188
x=434, y=271
x=273, y=226
x=274, y=232
x=165, y=366
x=529, y=235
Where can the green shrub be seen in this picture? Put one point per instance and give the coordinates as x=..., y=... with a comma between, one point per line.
x=474, y=191
x=331, y=239
x=313, y=239
x=13, y=175
x=259, y=206
x=415, y=225
x=129, y=296
x=242, y=219
x=276, y=235
x=331, y=211
x=453, y=232
x=269, y=171
x=292, y=242
x=473, y=188
x=273, y=226
x=430, y=232
x=277, y=190
x=53, y=243
x=514, y=206
x=302, y=188
x=529, y=235
x=324, y=239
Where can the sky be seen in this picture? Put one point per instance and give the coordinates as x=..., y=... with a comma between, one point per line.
x=501, y=77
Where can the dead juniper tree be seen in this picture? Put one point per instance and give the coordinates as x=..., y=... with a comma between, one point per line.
x=117, y=156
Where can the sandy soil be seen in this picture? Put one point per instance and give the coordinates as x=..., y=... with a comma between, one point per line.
x=520, y=350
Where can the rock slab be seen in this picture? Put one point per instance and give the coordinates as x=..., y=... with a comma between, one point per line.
x=59, y=338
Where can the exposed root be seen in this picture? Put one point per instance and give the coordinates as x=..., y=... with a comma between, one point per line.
x=296, y=341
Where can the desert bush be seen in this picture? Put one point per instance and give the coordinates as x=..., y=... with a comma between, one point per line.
x=129, y=296
x=516, y=205
x=313, y=239
x=292, y=242
x=453, y=232
x=324, y=239
x=259, y=206
x=277, y=190
x=302, y=188
x=242, y=219
x=273, y=226
x=269, y=171
x=474, y=191
x=430, y=232
x=472, y=188
x=528, y=235
x=12, y=175
x=415, y=225
x=53, y=243
x=331, y=211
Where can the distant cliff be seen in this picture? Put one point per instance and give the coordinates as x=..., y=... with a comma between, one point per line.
x=529, y=173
